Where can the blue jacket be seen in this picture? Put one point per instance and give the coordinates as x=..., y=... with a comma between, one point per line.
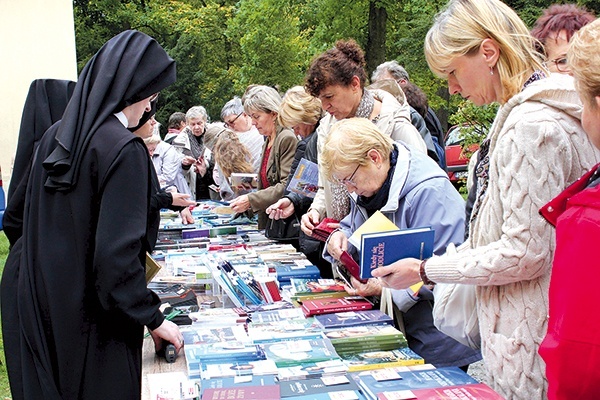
x=421, y=195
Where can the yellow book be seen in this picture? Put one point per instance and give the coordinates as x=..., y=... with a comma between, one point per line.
x=376, y=223
x=152, y=267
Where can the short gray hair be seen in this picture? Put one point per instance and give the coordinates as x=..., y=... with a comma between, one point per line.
x=396, y=70
x=262, y=98
x=232, y=107
x=196, y=112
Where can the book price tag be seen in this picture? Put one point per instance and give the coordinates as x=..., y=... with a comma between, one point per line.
x=334, y=380
x=385, y=375
x=397, y=395
x=242, y=379
x=343, y=395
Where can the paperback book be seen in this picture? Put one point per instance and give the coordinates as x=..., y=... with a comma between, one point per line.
x=354, y=318
x=367, y=360
x=259, y=367
x=301, y=287
x=374, y=382
x=266, y=392
x=479, y=391
x=237, y=381
x=293, y=329
x=199, y=334
x=305, y=180
x=331, y=395
x=299, y=352
x=377, y=223
x=379, y=249
x=312, y=370
x=316, y=386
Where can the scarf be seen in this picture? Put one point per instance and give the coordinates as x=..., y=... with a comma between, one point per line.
x=378, y=200
x=196, y=144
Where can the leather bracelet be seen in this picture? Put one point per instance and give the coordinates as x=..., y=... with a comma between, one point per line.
x=423, y=275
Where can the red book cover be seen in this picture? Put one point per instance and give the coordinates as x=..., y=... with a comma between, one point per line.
x=267, y=392
x=332, y=305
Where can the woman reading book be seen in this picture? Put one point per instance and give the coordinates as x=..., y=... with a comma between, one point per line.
x=412, y=191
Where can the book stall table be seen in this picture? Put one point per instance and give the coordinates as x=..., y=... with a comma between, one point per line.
x=265, y=326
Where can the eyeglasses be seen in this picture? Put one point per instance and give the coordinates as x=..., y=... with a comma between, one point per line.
x=349, y=180
x=561, y=63
x=230, y=123
x=154, y=97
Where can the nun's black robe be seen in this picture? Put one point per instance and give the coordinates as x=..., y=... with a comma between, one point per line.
x=74, y=285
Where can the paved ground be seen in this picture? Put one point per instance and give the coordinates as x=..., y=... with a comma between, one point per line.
x=477, y=371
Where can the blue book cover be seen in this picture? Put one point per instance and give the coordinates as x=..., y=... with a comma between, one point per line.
x=305, y=180
x=286, y=272
x=236, y=381
x=316, y=385
x=373, y=383
x=354, y=318
x=331, y=395
x=384, y=248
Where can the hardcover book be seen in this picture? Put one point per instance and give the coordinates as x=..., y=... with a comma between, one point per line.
x=379, y=249
x=479, y=391
x=305, y=180
x=376, y=223
x=285, y=272
x=377, y=381
x=354, y=318
x=364, y=333
x=332, y=305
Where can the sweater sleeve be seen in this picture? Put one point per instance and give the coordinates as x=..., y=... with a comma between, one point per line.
x=529, y=165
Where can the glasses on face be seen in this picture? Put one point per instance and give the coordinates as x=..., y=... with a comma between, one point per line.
x=349, y=180
x=154, y=97
x=561, y=64
x=230, y=123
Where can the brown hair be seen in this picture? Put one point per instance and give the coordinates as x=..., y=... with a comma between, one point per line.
x=231, y=155
x=336, y=66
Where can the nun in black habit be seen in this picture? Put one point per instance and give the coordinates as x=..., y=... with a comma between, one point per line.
x=80, y=300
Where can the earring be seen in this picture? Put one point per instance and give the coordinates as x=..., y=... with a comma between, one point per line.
x=491, y=70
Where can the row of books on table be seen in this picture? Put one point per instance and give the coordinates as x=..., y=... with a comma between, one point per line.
x=288, y=334
x=282, y=354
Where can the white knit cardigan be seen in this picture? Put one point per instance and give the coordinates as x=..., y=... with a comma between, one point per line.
x=537, y=148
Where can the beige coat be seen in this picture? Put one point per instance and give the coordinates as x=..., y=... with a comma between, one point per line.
x=537, y=148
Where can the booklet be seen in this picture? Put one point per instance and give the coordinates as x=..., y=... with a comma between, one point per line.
x=305, y=180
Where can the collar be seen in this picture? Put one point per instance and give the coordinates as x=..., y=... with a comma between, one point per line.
x=122, y=118
x=555, y=207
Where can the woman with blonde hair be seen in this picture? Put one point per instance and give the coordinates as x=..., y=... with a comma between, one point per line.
x=405, y=185
x=534, y=149
x=262, y=103
x=301, y=112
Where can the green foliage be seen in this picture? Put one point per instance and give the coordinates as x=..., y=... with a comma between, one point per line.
x=477, y=121
x=4, y=386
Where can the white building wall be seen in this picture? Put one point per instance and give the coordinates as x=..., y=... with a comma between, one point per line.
x=37, y=40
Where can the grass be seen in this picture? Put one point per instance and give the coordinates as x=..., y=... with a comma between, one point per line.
x=4, y=386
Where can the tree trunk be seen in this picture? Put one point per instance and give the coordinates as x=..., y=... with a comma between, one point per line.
x=375, y=51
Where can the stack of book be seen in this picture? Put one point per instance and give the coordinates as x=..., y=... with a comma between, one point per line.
x=357, y=339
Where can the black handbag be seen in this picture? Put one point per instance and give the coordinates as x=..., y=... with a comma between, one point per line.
x=283, y=230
